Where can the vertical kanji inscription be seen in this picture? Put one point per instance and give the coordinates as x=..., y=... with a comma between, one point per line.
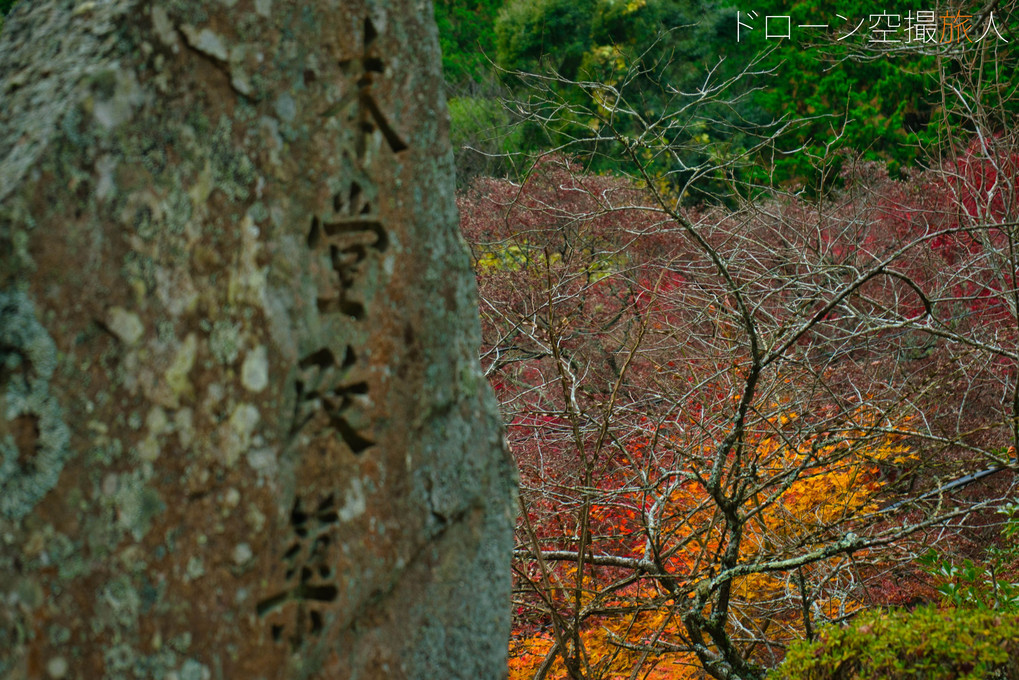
x=369, y=116
x=310, y=576
x=322, y=387
x=344, y=241
x=341, y=245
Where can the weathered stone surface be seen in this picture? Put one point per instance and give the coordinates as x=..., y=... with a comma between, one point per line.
x=243, y=432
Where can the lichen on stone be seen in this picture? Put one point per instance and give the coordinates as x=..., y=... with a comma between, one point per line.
x=176, y=375
x=119, y=658
x=225, y=341
x=255, y=370
x=137, y=504
x=236, y=434
x=118, y=603
x=195, y=568
x=117, y=96
x=28, y=358
x=193, y=670
x=125, y=324
x=233, y=172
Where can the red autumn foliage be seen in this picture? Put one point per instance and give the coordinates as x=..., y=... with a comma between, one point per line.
x=705, y=404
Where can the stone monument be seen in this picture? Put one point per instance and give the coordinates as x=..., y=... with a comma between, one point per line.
x=243, y=428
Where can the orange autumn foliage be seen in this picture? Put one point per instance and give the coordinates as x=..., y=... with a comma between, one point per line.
x=804, y=492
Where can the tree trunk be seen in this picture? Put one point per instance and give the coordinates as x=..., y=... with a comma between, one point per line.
x=243, y=429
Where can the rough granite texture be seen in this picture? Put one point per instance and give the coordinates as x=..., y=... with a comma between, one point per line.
x=243, y=429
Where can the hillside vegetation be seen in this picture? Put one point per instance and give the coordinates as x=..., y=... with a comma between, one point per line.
x=750, y=307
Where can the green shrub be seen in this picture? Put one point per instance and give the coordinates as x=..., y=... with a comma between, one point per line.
x=925, y=644
x=987, y=584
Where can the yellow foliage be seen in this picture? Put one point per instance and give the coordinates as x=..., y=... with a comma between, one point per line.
x=511, y=258
x=804, y=493
x=609, y=656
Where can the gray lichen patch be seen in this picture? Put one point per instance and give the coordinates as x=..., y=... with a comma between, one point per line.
x=164, y=29
x=176, y=375
x=57, y=667
x=137, y=505
x=34, y=439
x=233, y=171
x=117, y=95
x=255, y=370
x=235, y=435
x=118, y=603
x=193, y=670
x=206, y=41
x=125, y=325
x=195, y=569
x=225, y=341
